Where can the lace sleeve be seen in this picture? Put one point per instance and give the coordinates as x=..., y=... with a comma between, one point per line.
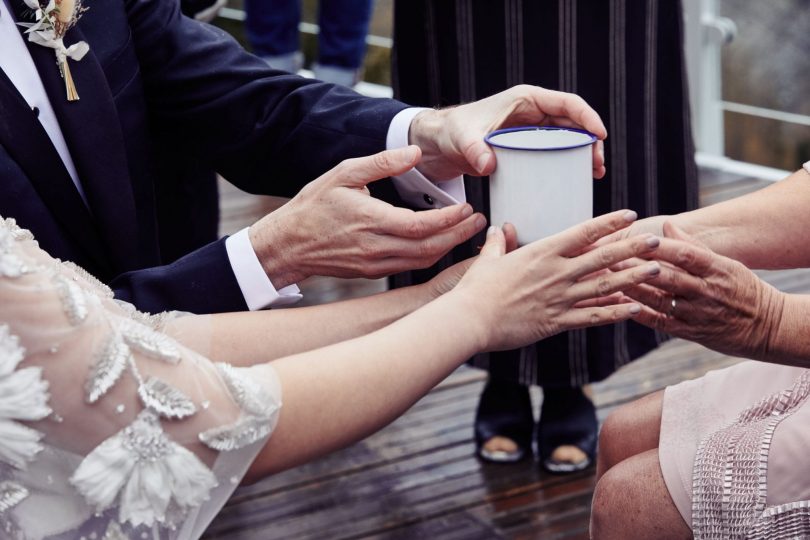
x=108, y=427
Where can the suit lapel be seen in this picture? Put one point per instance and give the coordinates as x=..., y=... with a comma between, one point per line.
x=96, y=143
x=29, y=146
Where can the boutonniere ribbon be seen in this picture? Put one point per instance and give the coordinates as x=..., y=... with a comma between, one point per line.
x=51, y=24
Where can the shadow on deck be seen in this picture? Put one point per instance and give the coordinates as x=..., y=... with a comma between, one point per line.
x=418, y=477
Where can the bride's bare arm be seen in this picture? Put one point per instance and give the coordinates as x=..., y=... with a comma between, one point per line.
x=248, y=338
x=764, y=229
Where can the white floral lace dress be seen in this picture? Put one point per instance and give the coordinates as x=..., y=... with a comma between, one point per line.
x=109, y=428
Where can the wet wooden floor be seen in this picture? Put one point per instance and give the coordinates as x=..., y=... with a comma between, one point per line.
x=418, y=478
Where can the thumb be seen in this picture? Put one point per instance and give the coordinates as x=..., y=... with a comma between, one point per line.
x=480, y=157
x=510, y=233
x=358, y=172
x=495, y=246
x=673, y=231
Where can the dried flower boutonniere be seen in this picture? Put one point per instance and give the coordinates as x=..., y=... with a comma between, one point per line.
x=52, y=23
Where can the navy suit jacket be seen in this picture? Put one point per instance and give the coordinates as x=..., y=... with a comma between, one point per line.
x=153, y=75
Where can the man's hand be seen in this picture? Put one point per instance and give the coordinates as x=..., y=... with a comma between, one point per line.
x=333, y=227
x=452, y=140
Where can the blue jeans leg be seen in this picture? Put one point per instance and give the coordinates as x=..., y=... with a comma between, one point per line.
x=344, y=25
x=272, y=26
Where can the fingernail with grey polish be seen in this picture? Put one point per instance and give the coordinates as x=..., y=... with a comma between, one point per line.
x=635, y=309
x=467, y=210
x=630, y=215
x=653, y=241
x=492, y=229
x=653, y=269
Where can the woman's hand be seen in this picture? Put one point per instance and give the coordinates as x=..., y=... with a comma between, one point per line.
x=710, y=299
x=447, y=279
x=651, y=225
x=553, y=284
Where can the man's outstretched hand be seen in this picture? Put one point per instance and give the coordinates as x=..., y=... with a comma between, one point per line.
x=333, y=227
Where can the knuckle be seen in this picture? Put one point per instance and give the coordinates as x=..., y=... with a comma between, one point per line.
x=382, y=161
x=345, y=166
x=685, y=257
x=415, y=228
x=462, y=233
x=604, y=286
x=427, y=250
x=590, y=233
x=606, y=256
x=447, y=219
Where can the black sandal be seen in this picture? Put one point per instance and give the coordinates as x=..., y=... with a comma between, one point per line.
x=505, y=410
x=567, y=417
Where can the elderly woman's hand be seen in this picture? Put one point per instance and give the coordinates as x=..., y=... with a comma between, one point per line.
x=708, y=298
x=553, y=284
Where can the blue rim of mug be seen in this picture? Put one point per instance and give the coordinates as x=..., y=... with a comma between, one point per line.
x=488, y=138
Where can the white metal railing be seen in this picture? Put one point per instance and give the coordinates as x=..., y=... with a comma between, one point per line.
x=762, y=112
x=705, y=35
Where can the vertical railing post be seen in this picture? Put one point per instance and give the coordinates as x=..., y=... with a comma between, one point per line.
x=705, y=34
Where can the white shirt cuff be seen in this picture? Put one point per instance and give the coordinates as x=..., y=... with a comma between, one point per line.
x=414, y=187
x=256, y=287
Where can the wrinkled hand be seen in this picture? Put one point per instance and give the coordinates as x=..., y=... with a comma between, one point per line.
x=452, y=140
x=333, y=227
x=719, y=302
x=550, y=285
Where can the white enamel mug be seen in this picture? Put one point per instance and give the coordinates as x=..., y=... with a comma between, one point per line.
x=543, y=180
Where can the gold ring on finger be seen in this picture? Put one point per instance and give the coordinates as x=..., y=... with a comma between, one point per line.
x=672, y=305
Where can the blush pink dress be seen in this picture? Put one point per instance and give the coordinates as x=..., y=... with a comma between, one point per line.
x=735, y=451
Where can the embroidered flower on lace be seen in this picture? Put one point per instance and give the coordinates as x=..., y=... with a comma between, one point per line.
x=258, y=409
x=11, y=494
x=115, y=357
x=23, y=397
x=150, y=343
x=146, y=474
x=165, y=400
x=108, y=367
x=74, y=302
